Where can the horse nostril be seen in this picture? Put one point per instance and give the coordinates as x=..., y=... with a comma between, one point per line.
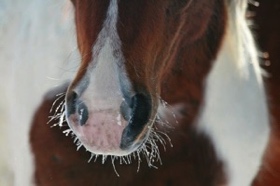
x=83, y=113
x=141, y=110
x=141, y=107
x=71, y=102
x=76, y=106
x=138, y=108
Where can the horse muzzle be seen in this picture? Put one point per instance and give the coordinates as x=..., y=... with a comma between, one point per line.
x=109, y=124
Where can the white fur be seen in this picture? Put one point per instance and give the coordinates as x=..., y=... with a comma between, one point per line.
x=35, y=51
x=104, y=83
x=235, y=114
x=107, y=65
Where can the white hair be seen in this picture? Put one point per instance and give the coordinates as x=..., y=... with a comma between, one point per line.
x=235, y=115
x=37, y=49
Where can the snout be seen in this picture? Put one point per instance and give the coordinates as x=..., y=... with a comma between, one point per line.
x=113, y=124
x=106, y=108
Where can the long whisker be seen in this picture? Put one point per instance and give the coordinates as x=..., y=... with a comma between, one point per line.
x=149, y=149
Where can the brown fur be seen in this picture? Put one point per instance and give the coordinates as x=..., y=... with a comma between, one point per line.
x=268, y=36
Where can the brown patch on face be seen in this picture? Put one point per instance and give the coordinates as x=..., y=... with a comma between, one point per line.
x=153, y=34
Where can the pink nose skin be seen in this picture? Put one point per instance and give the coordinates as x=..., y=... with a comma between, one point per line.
x=101, y=134
x=106, y=129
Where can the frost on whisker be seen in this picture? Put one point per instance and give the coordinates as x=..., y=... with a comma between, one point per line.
x=67, y=132
x=149, y=151
x=167, y=114
x=58, y=111
x=114, y=167
x=79, y=145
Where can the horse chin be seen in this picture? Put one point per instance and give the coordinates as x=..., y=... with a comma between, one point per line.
x=102, y=134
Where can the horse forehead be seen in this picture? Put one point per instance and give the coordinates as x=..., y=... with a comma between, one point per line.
x=99, y=11
x=135, y=23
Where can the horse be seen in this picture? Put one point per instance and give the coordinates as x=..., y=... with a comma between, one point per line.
x=152, y=72
x=174, y=83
